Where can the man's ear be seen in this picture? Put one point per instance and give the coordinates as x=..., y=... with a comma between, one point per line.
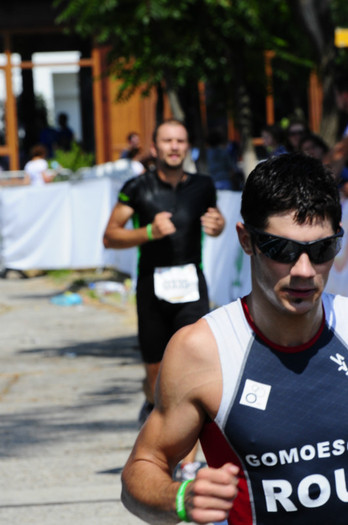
x=153, y=150
x=244, y=238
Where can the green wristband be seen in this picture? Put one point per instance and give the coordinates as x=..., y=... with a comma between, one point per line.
x=149, y=231
x=180, y=501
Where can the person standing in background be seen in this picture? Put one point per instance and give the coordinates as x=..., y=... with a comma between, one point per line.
x=337, y=157
x=219, y=161
x=133, y=147
x=272, y=137
x=36, y=169
x=314, y=146
x=65, y=134
x=296, y=130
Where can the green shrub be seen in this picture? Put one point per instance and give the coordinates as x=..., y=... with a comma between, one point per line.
x=72, y=160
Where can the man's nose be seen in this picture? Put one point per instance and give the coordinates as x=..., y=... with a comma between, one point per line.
x=303, y=267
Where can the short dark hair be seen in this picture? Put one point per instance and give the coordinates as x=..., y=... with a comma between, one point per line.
x=275, y=131
x=291, y=182
x=316, y=140
x=38, y=150
x=174, y=121
x=131, y=135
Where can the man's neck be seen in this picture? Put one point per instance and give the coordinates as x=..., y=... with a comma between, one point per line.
x=283, y=328
x=172, y=177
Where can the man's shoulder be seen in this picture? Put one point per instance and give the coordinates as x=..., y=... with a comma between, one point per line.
x=139, y=181
x=232, y=310
x=200, y=177
x=336, y=310
x=193, y=337
x=201, y=180
x=193, y=347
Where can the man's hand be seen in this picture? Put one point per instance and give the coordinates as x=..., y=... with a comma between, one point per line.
x=209, y=498
x=213, y=222
x=162, y=225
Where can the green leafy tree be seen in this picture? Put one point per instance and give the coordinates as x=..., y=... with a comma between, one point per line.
x=216, y=41
x=318, y=18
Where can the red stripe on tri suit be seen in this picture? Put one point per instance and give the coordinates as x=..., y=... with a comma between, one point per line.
x=218, y=452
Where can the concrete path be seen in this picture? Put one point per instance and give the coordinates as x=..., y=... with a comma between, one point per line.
x=70, y=392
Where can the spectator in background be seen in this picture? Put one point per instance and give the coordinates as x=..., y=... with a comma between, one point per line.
x=36, y=169
x=126, y=168
x=65, y=134
x=314, y=146
x=296, y=130
x=273, y=140
x=133, y=148
x=337, y=157
x=341, y=93
x=219, y=161
x=47, y=133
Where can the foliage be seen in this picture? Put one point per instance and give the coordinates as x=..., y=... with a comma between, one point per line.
x=74, y=159
x=183, y=41
x=216, y=41
x=59, y=275
x=339, y=11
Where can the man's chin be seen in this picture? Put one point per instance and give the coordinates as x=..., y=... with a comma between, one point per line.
x=173, y=166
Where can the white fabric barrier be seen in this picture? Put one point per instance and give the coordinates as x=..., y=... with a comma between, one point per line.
x=338, y=278
x=225, y=265
x=57, y=225
x=61, y=226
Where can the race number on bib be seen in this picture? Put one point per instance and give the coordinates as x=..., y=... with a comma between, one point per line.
x=176, y=284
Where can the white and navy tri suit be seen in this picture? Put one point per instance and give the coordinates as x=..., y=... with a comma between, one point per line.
x=283, y=419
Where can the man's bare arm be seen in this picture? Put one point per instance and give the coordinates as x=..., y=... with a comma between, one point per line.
x=117, y=236
x=188, y=389
x=213, y=222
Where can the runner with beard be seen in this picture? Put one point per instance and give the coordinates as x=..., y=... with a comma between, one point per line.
x=170, y=210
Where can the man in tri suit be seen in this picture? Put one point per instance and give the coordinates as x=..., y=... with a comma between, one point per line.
x=262, y=381
x=170, y=210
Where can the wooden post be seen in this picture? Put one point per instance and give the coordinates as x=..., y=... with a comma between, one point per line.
x=98, y=106
x=269, y=87
x=202, y=105
x=315, y=96
x=10, y=108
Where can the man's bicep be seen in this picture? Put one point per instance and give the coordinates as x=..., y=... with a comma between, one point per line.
x=120, y=215
x=167, y=436
x=188, y=386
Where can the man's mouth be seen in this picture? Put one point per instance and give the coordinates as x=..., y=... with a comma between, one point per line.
x=300, y=293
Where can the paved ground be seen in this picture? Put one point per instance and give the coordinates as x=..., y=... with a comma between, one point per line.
x=70, y=391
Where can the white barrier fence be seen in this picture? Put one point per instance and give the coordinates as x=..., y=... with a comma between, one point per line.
x=61, y=225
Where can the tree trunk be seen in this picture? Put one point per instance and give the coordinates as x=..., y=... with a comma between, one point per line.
x=330, y=119
x=315, y=17
x=173, y=97
x=175, y=104
x=159, y=104
x=244, y=120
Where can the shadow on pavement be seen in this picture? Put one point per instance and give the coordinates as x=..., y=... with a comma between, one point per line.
x=124, y=347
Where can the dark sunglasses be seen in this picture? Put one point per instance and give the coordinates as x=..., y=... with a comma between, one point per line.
x=286, y=250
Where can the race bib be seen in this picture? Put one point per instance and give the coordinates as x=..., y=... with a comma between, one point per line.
x=176, y=284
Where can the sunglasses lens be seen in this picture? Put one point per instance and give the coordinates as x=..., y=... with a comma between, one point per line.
x=325, y=250
x=288, y=251
x=281, y=250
